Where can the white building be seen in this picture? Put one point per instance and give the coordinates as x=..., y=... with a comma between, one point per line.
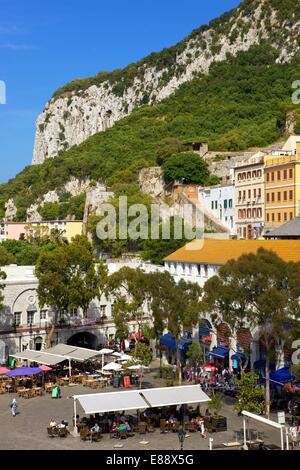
x=24, y=325
x=220, y=201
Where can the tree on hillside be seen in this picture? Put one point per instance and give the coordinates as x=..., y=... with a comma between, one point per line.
x=167, y=148
x=186, y=167
x=143, y=354
x=67, y=279
x=257, y=291
x=6, y=257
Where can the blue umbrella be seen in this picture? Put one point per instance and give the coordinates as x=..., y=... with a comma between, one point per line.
x=21, y=371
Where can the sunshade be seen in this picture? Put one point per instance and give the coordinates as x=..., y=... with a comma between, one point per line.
x=112, y=366
x=175, y=395
x=117, y=354
x=106, y=351
x=73, y=352
x=41, y=357
x=219, y=352
x=137, y=367
x=113, y=401
x=3, y=370
x=20, y=371
x=168, y=340
x=45, y=368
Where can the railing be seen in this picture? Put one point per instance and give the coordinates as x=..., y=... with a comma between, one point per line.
x=62, y=324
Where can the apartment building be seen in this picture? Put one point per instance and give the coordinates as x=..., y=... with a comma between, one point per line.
x=282, y=184
x=249, y=197
x=220, y=201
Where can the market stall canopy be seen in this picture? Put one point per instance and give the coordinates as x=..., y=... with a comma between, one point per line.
x=175, y=395
x=113, y=401
x=106, y=351
x=168, y=340
x=137, y=367
x=40, y=357
x=126, y=357
x=117, y=354
x=141, y=399
x=21, y=371
x=3, y=370
x=112, y=366
x=45, y=368
x=73, y=352
x=219, y=352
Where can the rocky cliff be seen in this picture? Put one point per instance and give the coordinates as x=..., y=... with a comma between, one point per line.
x=85, y=107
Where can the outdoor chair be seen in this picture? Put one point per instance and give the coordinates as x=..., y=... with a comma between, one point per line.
x=122, y=434
x=52, y=432
x=96, y=436
x=150, y=428
x=142, y=427
x=175, y=426
x=163, y=426
x=192, y=427
x=84, y=434
x=62, y=432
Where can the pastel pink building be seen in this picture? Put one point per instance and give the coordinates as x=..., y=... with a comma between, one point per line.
x=14, y=230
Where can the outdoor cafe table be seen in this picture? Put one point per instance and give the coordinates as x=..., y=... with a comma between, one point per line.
x=23, y=391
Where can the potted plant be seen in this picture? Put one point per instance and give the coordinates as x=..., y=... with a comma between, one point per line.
x=218, y=422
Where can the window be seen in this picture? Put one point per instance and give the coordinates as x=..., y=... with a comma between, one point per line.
x=248, y=213
x=249, y=193
x=278, y=175
x=244, y=194
x=30, y=318
x=273, y=197
x=284, y=174
x=240, y=214
x=285, y=196
x=254, y=213
x=278, y=197
x=73, y=312
x=268, y=197
x=291, y=173
x=259, y=192
x=279, y=217
x=212, y=205
x=103, y=309
x=291, y=195
x=225, y=203
x=259, y=173
x=205, y=270
x=259, y=212
x=216, y=204
x=254, y=193
x=268, y=176
x=230, y=203
x=17, y=318
x=291, y=215
x=240, y=195
x=112, y=308
x=199, y=269
x=268, y=218
x=285, y=216
x=249, y=175
x=254, y=174
x=272, y=176
x=273, y=216
x=43, y=315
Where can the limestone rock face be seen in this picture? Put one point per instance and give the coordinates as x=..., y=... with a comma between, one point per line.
x=10, y=210
x=74, y=116
x=151, y=182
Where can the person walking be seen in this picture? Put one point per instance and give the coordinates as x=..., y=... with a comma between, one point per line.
x=293, y=431
x=14, y=406
x=202, y=428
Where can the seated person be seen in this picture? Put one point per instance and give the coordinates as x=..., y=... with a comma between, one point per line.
x=172, y=419
x=127, y=426
x=53, y=423
x=114, y=427
x=96, y=428
x=122, y=427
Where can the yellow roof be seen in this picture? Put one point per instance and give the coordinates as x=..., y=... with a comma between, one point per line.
x=221, y=251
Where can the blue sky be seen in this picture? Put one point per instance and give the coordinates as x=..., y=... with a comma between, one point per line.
x=46, y=43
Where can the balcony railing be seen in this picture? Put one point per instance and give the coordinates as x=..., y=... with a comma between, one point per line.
x=43, y=325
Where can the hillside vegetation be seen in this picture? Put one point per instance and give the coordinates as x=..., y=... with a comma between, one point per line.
x=241, y=103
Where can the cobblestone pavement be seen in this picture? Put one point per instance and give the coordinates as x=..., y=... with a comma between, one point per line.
x=28, y=430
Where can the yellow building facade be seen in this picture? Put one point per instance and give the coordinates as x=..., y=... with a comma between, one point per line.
x=282, y=187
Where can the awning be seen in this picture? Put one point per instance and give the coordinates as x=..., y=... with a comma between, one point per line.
x=261, y=364
x=184, y=344
x=281, y=376
x=219, y=352
x=141, y=399
x=113, y=401
x=73, y=352
x=169, y=341
x=175, y=395
x=238, y=356
x=40, y=357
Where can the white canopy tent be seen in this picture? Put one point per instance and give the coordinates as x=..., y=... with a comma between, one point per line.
x=112, y=366
x=104, y=352
x=72, y=353
x=261, y=419
x=41, y=357
x=137, y=367
x=139, y=399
